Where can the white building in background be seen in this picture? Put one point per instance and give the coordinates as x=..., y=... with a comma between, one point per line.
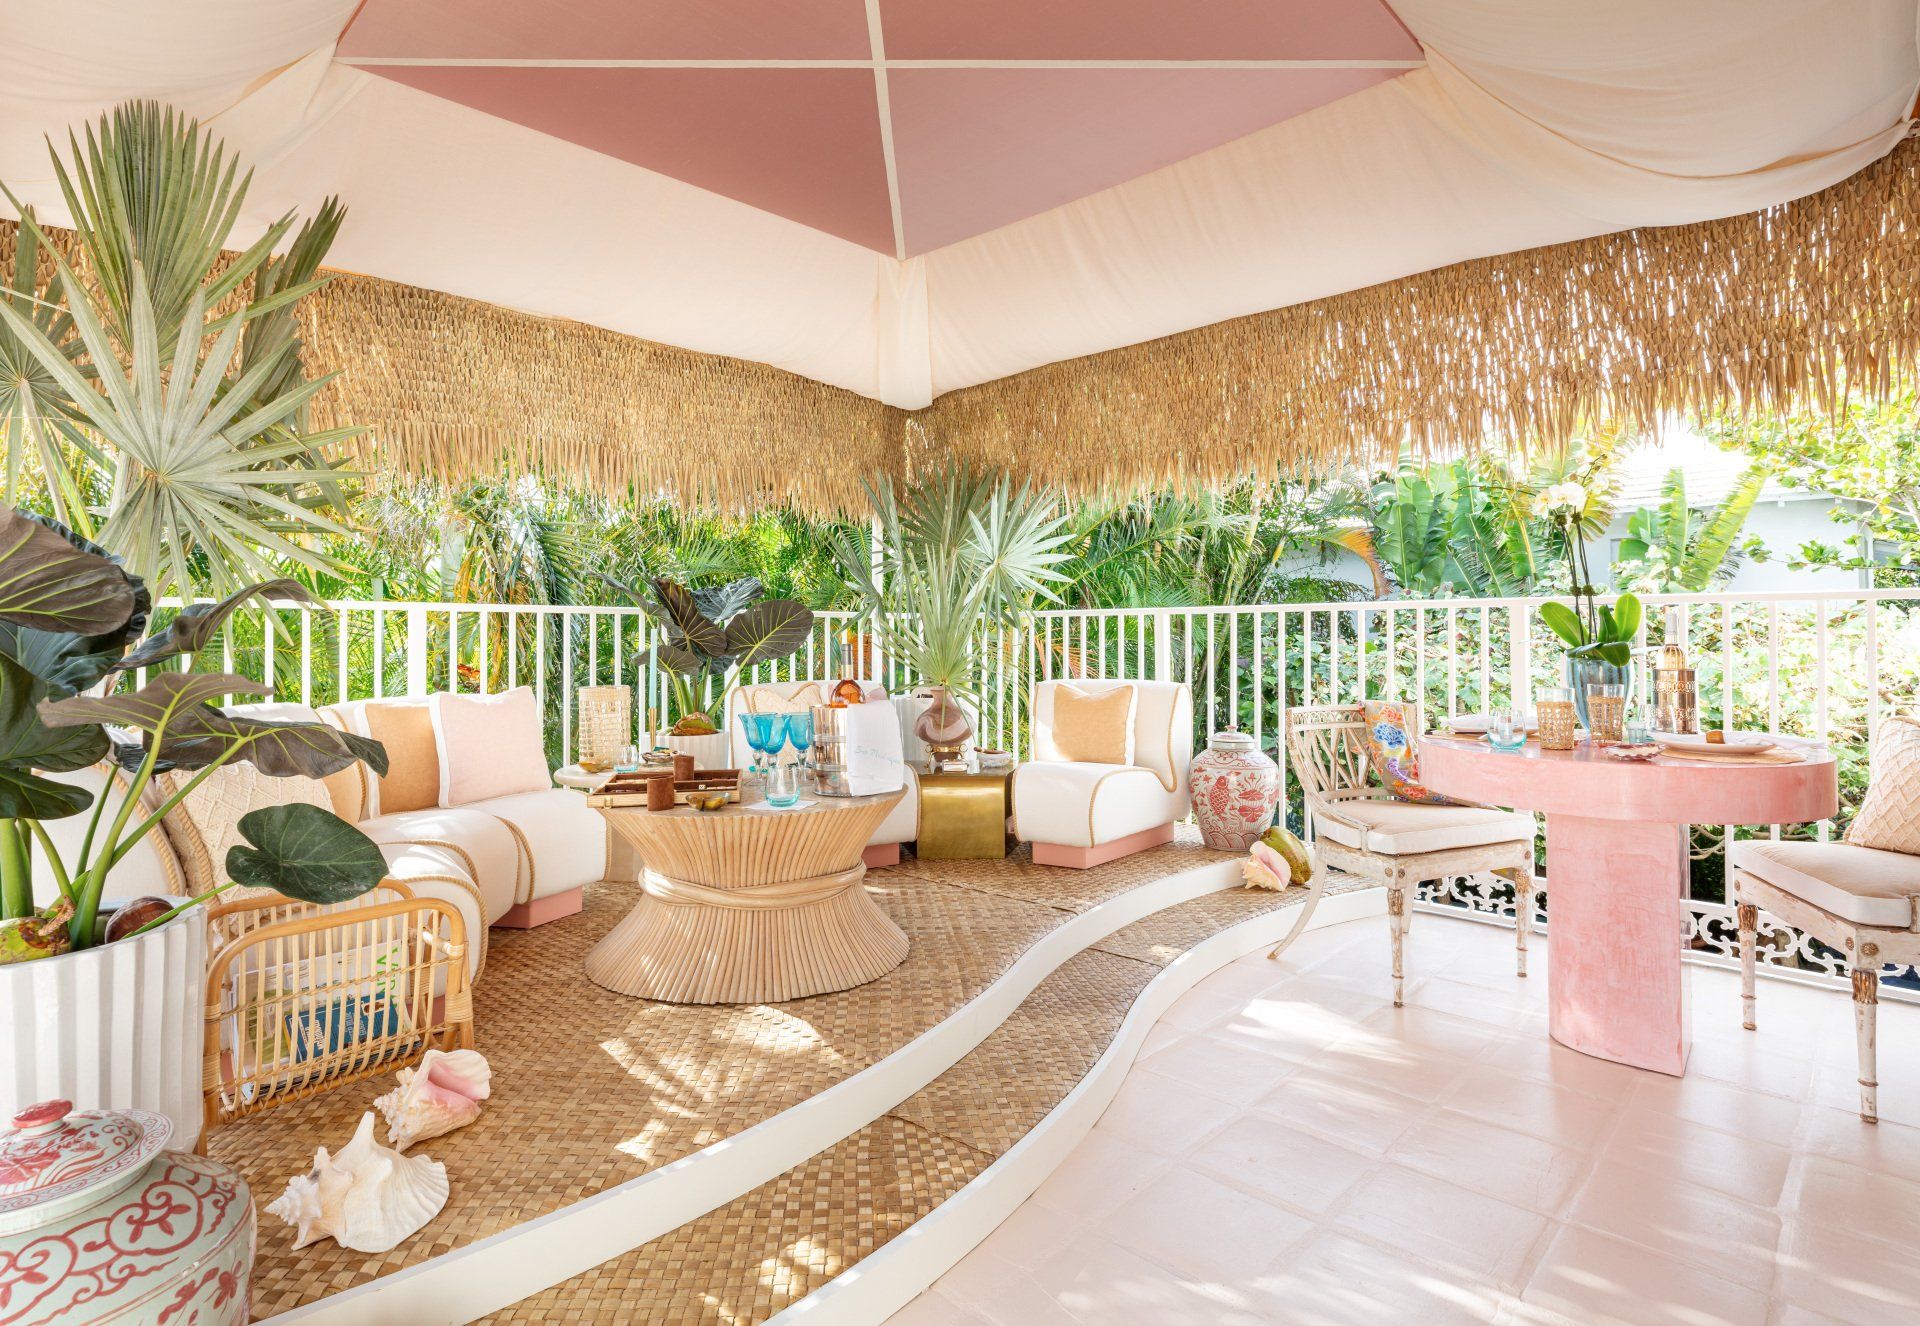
x=1785, y=517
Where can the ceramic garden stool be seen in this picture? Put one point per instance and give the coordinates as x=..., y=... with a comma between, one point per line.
x=1617, y=872
x=98, y=1222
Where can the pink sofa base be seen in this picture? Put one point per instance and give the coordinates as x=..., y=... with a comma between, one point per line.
x=526, y=915
x=1082, y=858
x=880, y=855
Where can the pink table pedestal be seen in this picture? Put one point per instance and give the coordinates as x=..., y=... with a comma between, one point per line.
x=1617, y=872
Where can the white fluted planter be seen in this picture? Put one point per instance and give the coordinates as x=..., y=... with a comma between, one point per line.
x=714, y=751
x=116, y=1027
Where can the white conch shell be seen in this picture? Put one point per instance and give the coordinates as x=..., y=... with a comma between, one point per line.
x=368, y=1198
x=442, y=1094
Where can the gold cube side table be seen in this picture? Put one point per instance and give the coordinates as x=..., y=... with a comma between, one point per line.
x=963, y=816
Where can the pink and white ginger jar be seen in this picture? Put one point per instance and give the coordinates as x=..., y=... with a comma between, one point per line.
x=1235, y=790
x=99, y=1224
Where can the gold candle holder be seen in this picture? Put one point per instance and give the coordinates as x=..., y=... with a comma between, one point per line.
x=1558, y=719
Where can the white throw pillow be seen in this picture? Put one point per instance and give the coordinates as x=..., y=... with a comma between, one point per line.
x=490, y=745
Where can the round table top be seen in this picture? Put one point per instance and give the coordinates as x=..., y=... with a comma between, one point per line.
x=572, y=775
x=1585, y=781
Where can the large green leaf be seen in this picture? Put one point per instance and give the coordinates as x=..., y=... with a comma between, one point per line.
x=768, y=630
x=196, y=625
x=1562, y=621
x=29, y=746
x=684, y=623
x=167, y=697
x=1627, y=614
x=676, y=659
x=305, y=853
x=71, y=663
x=51, y=580
x=720, y=603
x=278, y=748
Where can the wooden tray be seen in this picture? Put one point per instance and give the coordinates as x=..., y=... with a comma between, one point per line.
x=630, y=789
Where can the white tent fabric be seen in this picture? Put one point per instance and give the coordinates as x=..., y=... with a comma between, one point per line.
x=1534, y=122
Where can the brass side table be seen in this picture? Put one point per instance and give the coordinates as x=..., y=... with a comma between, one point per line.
x=963, y=816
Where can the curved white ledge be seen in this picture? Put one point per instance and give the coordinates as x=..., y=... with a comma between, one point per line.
x=879, y=1285
x=491, y=1273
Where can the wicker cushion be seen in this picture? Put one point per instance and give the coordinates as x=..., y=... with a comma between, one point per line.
x=1889, y=818
x=1400, y=828
x=1858, y=884
x=1093, y=727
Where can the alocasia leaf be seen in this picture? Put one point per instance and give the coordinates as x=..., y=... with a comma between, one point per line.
x=305, y=853
x=53, y=580
x=197, y=624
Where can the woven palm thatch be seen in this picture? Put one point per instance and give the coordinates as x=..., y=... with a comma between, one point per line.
x=1782, y=308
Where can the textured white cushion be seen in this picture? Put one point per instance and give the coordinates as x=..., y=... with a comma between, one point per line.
x=1403, y=828
x=487, y=849
x=489, y=745
x=439, y=872
x=563, y=839
x=1085, y=805
x=1860, y=884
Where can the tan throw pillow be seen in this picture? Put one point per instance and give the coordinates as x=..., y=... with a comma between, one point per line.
x=1093, y=727
x=490, y=746
x=1889, y=818
x=348, y=788
x=405, y=728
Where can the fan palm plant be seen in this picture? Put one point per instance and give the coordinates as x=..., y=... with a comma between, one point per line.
x=197, y=413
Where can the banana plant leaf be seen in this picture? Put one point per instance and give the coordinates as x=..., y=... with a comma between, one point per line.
x=682, y=621
x=154, y=705
x=196, y=625
x=30, y=747
x=768, y=630
x=305, y=853
x=51, y=580
x=721, y=603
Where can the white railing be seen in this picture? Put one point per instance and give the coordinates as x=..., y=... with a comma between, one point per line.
x=1829, y=665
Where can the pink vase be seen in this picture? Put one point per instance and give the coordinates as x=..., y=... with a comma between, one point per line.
x=1235, y=790
x=943, y=726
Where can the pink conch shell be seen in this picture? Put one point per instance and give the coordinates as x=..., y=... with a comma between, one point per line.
x=1265, y=868
x=442, y=1094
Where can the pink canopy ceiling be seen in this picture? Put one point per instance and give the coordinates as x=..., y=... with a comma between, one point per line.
x=902, y=125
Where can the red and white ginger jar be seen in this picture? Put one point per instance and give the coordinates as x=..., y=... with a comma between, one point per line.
x=1235, y=790
x=99, y=1224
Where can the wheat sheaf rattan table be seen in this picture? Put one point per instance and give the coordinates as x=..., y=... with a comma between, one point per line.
x=749, y=906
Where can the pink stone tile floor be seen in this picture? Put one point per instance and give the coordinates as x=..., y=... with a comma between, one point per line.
x=1290, y=1148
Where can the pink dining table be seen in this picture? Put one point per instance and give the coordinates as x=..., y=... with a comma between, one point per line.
x=1617, y=872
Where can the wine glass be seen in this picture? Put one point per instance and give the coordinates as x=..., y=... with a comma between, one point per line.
x=756, y=737
x=800, y=733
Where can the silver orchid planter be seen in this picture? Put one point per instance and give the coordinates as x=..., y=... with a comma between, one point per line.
x=1584, y=670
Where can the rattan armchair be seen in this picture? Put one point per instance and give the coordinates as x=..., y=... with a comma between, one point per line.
x=300, y=999
x=1360, y=829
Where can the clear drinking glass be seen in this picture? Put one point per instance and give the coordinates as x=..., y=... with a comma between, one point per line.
x=629, y=759
x=1606, y=711
x=1507, y=729
x=783, y=783
x=1558, y=718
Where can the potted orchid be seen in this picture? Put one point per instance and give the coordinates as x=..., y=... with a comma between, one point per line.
x=1599, y=636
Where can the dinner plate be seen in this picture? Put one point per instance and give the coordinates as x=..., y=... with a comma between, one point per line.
x=1748, y=742
x=1474, y=725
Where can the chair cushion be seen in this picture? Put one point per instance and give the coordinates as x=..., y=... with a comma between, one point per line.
x=1390, y=729
x=1093, y=727
x=563, y=840
x=489, y=745
x=1889, y=818
x=439, y=872
x=486, y=848
x=1085, y=805
x=405, y=728
x=1401, y=828
x=1860, y=884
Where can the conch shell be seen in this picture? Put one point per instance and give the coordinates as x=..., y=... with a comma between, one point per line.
x=369, y=1198
x=442, y=1094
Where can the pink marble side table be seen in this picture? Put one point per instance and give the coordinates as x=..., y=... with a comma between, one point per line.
x=1617, y=872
